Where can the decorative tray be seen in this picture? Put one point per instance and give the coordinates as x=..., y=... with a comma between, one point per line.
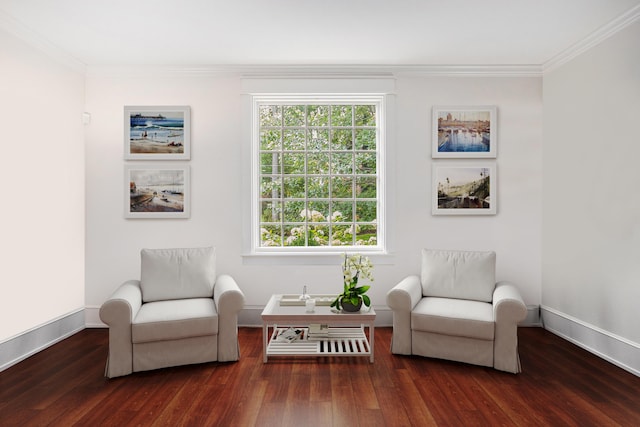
x=294, y=299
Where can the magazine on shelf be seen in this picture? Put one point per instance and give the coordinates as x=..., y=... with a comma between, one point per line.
x=289, y=335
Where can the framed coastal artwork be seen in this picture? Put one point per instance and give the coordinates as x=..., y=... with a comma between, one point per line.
x=157, y=133
x=461, y=189
x=156, y=191
x=464, y=132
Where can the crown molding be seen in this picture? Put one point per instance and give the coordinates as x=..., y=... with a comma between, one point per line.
x=34, y=39
x=505, y=70
x=593, y=39
x=304, y=71
x=382, y=71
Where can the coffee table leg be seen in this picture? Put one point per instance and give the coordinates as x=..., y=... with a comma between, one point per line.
x=265, y=334
x=371, y=339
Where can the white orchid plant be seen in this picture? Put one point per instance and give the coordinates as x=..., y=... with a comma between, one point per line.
x=354, y=268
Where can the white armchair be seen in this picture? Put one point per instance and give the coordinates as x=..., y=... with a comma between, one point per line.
x=178, y=313
x=455, y=310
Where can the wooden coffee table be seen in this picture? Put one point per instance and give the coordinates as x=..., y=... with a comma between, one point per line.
x=346, y=331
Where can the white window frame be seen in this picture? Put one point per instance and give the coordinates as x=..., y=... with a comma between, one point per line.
x=380, y=101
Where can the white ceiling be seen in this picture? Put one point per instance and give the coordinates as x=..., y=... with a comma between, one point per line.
x=313, y=32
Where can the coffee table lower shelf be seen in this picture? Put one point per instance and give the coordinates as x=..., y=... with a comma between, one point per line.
x=348, y=341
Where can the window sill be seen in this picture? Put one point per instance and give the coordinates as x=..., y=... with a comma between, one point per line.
x=308, y=258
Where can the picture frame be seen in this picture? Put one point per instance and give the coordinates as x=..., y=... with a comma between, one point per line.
x=157, y=191
x=464, y=132
x=157, y=132
x=464, y=189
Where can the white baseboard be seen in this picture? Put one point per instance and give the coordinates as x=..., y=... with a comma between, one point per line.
x=28, y=343
x=533, y=317
x=92, y=317
x=610, y=347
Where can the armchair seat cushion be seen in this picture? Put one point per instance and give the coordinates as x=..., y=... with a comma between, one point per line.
x=454, y=317
x=170, y=320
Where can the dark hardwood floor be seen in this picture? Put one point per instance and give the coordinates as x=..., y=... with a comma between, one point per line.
x=560, y=385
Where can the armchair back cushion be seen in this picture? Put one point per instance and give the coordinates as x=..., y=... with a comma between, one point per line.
x=458, y=274
x=171, y=274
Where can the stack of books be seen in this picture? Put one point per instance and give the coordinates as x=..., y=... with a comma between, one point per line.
x=317, y=330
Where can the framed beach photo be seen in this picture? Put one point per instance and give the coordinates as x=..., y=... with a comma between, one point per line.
x=464, y=189
x=464, y=132
x=157, y=133
x=156, y=191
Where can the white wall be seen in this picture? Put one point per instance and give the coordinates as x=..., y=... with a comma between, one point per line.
x=42, y=188
x=113, y=243
x=591, y=208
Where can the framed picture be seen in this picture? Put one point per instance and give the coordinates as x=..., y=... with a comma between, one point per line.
x=157, y=133
x=464, y=132
x=464, y=190
x=156, y=191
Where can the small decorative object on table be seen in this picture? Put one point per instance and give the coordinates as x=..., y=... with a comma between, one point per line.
x=353, y=296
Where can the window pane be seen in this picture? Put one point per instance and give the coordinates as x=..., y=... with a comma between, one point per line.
x=270, y=187
x=271, y=211
x=318, y=235
x=366, y=187
x=318, y=163
x=366, y=163
x=293, y=139
x=341, y=235
x=367, y=235
x=341, y=187
x=341, y=212
x=342, y=139
x=342, y=163
x=294, y=115
x=270, y=235
x=365, y=139
x=318, y=139
x=270, y=139
x=317, y=115
x=294, y=163
x=365, y=115
x=270, y=163
x=295, y=235
x=294, y=187
x=294, y=211
x=270, y=115
x=341, y=115
x=366, y=211
x=318, y=211
x=318, y=187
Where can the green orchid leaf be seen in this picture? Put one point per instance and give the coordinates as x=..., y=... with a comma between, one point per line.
x=366, y=300
x=362, y=289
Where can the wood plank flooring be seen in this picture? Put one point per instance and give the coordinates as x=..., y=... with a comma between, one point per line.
x=561, y=385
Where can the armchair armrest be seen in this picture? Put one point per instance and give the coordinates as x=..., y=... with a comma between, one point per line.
x=508, y=304
x=401, y=299
x=229, y=300
x=405, y=295
x=118, y=313
x=508, y=310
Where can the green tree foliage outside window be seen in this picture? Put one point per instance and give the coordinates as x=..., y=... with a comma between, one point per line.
x=318, y=172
